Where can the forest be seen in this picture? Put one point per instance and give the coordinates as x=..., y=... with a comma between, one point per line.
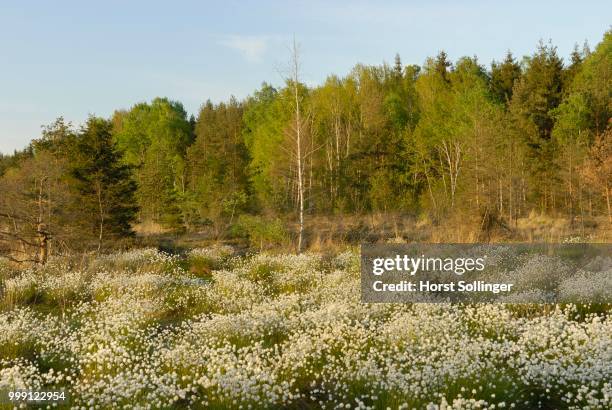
x=446, y=141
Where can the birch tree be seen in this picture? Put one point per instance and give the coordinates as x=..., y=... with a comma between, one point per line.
x=297, y=140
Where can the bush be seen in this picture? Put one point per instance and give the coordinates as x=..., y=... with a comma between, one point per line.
x=261, y=232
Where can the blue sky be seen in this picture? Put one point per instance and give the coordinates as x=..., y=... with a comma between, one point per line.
x=75, y=58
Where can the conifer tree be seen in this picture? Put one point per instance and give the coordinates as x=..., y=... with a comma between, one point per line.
x=535, y=96
x=104, y=183
x=503, y=77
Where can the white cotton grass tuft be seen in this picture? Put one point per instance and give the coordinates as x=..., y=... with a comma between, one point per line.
x=140, y=330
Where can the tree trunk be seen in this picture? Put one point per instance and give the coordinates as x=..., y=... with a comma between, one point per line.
x=43, y=244
x=101, y=210
x=608, y=203
x=298, y=143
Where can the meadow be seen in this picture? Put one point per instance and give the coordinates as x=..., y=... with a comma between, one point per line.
x=209, y=329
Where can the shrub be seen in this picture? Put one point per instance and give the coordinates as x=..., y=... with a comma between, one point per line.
x=261, y=232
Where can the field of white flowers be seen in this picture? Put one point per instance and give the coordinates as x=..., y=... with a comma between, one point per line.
x=143, y=329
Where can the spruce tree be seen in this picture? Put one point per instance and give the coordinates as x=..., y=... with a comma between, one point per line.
x=104, y=183
x=503, y=77
x=535, y=96
x=397, y=66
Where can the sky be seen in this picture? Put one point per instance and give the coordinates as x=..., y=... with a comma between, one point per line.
x=81, y=58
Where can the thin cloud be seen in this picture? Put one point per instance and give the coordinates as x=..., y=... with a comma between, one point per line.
x=251, y=47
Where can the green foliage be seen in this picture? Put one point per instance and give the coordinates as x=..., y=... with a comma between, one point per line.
x=266, y=120
x=216, y=179
x=334, y=128
x=261, y=232
x=455, y=133
x=582, y=117
x=445, y=139
x=535, y=96
x=12, y=161
x=593, y=81
x=538, y=92
x=263, y=273
x=154, y=138
x=503, y=77
x=105, y=185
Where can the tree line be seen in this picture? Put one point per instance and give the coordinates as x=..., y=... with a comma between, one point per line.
x=440, y=140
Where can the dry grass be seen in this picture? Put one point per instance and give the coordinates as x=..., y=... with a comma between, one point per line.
x=330, y=232
x=150, y=228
